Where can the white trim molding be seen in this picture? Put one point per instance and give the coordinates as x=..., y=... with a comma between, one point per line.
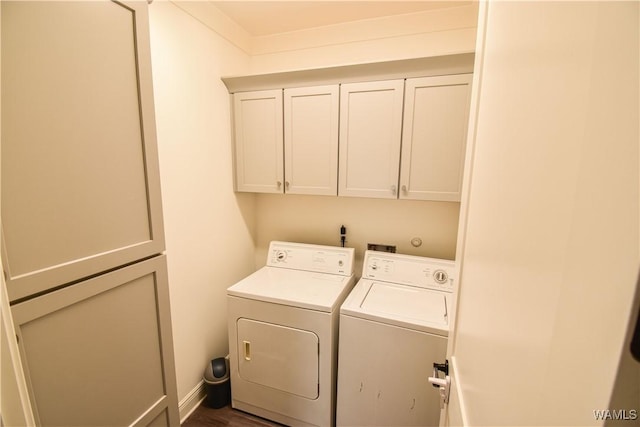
x=191, y=401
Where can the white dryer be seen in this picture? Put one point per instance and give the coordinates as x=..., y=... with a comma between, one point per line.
x=393, y=326
x=283, y=333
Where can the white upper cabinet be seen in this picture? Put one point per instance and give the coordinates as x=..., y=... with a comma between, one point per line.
x=290, y=148
x=258, y=141
x=388, y=130
x=311, y=140
x=436, y=111
x=370, y=132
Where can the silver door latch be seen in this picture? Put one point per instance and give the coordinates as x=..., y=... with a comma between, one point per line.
x=442, y=384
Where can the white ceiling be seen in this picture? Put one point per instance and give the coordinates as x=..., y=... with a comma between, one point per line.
x=261, y=18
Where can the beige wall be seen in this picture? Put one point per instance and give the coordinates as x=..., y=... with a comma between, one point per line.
x=317, y=219
x=414, y=35
x=209, y=229
x=551, y=249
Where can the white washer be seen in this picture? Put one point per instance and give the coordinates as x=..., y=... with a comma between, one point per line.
x=393, y=326
x=283, y=333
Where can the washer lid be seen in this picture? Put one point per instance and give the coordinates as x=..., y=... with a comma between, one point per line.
x=304, y=289
x=405, y=306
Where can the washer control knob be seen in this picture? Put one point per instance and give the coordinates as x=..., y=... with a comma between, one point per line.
x=281, y=256
x=440, y=276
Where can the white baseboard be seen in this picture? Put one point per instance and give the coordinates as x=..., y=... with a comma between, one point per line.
x=191, y=401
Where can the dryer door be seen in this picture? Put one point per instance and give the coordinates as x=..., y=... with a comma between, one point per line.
x=279, y=357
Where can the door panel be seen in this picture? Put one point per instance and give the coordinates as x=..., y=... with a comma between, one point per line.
x=259, y=141
x=311, y=140
x=434, y=137
x=279, y=357
x=100, y=352
x=80, y=182
x=370, y=131
x=565, y=274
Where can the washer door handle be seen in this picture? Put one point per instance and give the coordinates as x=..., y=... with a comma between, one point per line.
x=247, y=350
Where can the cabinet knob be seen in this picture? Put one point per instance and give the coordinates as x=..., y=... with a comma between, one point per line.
x=393, y=190
x=286, y=185
x=404, y=188
x=279, y=184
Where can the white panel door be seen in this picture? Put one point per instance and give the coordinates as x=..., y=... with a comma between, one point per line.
x=548, y=244
x=436, y=111
x=370, y=131
x=279, y=357
x=80, y=180
x=100, y=353
x=311, y=140
x=258, y=141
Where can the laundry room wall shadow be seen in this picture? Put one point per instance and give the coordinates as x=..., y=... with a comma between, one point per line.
x=317, y=219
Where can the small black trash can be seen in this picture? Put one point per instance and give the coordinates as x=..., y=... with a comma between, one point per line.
x=217, y=384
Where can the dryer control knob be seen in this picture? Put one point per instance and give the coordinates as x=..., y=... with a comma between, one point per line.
x=440, y=276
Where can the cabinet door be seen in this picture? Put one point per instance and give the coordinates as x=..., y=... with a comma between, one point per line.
x=80, y=181
x=100, y=352
x=311, y=140
x=370, y=130
x=258, y=141
x=434, y=137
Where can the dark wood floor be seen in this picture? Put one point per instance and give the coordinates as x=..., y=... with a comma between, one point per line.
x=204, y=416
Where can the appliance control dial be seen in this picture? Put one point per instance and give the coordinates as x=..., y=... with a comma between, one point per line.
x=281, y=256
x=440, y=276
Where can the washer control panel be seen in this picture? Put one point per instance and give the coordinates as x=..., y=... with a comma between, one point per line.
x=308, y=257
x=430, y=273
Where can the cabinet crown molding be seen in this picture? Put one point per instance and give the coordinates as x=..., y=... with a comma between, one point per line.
x=406, y=68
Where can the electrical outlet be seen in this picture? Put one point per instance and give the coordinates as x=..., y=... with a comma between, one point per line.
x=381, y=248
